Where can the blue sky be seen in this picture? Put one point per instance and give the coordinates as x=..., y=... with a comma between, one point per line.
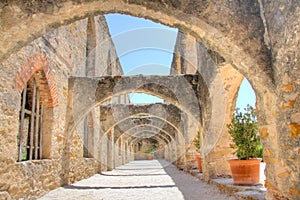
x=246, y=95
x=146, y=47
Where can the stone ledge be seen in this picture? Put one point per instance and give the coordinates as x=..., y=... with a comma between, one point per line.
x=257, y=192
x=180, y=167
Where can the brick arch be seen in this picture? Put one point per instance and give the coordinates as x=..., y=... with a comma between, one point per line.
x=38, y=65
x=179, y=142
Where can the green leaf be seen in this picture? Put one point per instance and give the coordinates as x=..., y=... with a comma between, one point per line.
x=244, y=131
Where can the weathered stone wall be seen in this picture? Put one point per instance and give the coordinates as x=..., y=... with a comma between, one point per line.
x=59, y=54
x=101, y=60
x=29, y=178
x=282, y=113
x=38, y=176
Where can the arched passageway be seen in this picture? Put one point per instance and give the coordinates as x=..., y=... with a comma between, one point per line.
x=259, y=42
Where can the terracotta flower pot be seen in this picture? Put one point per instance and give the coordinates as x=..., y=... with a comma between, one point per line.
x=198, y=159
x=149, y=156
x=245, y=172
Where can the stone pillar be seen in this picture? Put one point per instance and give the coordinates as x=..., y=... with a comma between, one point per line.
x=111, y=150
x=215, y=163
x=90, y=135
x=185, y=55
x=166, y=152
x=280, y=108
x=131, y=153
x=90, y=47
x=103, y=150
x=180, y=151
x=123, y=153
x=97, y=139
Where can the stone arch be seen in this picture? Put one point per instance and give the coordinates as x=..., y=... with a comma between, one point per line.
x=159, y=150
x=242, y=55
x=152, y=116
x=177, y=139
x=200, y=27
x=149, y=126
x=148, y=130
x=77, y=85
x=167, y=140
x=173, y=15
x=208, y=32
x=175, y=144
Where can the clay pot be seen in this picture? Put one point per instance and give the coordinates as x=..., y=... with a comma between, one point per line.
x=199, y=162
x=149, y=156
x=245, y=172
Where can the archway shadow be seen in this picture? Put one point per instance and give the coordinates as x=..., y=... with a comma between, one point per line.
x=190, y=186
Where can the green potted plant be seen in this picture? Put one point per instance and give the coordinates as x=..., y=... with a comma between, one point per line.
x=244, y=131
x=150, y=153
x=197, y=144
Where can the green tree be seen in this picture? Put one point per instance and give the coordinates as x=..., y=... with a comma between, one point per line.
x=244, y=131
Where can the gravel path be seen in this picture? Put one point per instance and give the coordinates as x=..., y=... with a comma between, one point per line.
x=140, y=180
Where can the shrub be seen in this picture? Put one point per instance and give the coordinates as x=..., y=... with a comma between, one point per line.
x=244, y=131
x=196, y=142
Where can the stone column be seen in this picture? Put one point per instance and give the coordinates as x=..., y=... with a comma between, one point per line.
x=130, y=154
x=215, y=163
x=111, y=150
x=90, y=47
x=103, y=150
x=280, y=108
x=97, y=139
x=123, y=150
x=174, y=152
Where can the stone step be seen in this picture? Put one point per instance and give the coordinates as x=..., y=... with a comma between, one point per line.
x=257, y=192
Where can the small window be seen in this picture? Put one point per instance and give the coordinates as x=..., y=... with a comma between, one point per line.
x=31, y=123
